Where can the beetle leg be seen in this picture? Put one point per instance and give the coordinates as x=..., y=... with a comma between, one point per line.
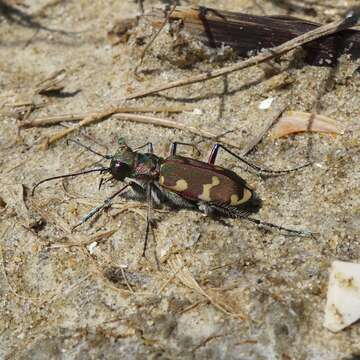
x=136, y=192
x=149, y=145
x=258, y=169
x=148, y=215
x=104, y=205
x=176, y=143
x=206, y=209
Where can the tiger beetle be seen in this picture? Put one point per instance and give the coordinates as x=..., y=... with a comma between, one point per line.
x=181, y=182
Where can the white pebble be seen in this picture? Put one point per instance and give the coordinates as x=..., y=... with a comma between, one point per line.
x=265, y=104
x=197, y=112
x=91, y=247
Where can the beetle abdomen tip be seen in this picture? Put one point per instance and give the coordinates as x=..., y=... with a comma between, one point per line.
x=253, y=205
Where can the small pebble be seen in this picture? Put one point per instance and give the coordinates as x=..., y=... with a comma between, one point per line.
x=91, y=247
x=266, y=104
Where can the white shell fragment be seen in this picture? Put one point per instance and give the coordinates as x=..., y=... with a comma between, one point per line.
x=265, y=104
x=198, y=111
x=343, y=297
x=91, y=247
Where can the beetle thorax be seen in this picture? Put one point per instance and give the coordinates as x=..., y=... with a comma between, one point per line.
x=127, y=163
x=148, y=166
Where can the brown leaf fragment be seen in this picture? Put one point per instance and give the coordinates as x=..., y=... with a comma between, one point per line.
x=53, y=83
x=292, y=122
x=2, y=203
x=120, y=32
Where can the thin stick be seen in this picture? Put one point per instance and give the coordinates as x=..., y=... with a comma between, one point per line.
x=52, y=82
x=258, y=138
x=97, y=238
x=94, y=117
x=141, y=6
x=126, y=280
x=350, y=20
x=173, y=125
x=165, y=123
x=154, y=37
x=57, y=119
x=207, y=340
x=87, y=121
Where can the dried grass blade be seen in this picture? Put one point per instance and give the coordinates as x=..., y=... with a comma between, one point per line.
x=297, y=121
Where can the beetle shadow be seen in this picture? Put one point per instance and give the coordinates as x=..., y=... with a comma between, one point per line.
x=220, y=220
x=297, y=62
x=14, y=15
x=327, y=85
x=209, y=96
x=292, y=7
x=61, y=94
x=223, y=97
x=355, y=356
x=171, y=2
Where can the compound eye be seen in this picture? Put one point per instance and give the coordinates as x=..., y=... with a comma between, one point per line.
x=120, y=170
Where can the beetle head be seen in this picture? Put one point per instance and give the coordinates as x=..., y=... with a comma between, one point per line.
x=123, y=162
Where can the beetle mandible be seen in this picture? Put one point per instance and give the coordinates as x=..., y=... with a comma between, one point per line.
x=181, y=182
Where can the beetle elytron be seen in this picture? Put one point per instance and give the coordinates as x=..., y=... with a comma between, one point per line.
x=180, y=182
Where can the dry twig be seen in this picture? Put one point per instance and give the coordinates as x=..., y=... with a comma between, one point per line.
x=141, y=6
x=52, y=83
x=126, y=280
x=154, y=37
x=165, y=123
x=58, y=119
x=174, y=125
x=258, y=138
x=96, y=238
x=95, y=117
x=86, y=121
x=185, y=276
x=206, y=340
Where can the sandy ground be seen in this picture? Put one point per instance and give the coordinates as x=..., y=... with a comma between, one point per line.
x=90, y=294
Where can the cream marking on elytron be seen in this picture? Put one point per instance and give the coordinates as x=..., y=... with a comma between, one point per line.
x=181, y=185
x=207, y=188
x=234, y=199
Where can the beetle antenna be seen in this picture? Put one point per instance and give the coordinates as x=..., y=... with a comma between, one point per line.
x=109, y=157
x=103, y=169
x=100, y=183
x=281, y=228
